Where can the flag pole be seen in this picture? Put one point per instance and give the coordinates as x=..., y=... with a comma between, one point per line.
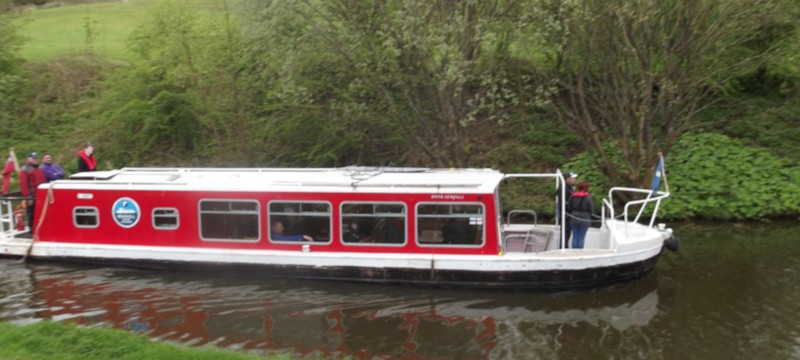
x=664, y=171
x=14, y=156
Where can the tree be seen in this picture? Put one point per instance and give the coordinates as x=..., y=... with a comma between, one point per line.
x=431, y=67
x=181, y=96
x=634, y=74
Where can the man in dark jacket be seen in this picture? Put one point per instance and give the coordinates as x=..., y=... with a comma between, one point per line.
x=569, y=179
x=30, y=177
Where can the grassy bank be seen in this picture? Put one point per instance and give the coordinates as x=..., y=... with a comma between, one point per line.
x=51, y=340
x=102, y=28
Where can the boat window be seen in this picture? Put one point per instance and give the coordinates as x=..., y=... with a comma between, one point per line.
x=450, y=224
x=373, y=223
x=85, y=217
x=228, y=220
x=165, y=218
x=292, y=221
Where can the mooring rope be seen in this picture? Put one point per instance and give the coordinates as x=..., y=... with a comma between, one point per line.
x=48, y=200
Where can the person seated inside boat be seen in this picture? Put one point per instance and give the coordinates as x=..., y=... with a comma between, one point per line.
x=393, y=233
x=386, y=231
x=456, y=231
x=352, y=233
x=276, y=233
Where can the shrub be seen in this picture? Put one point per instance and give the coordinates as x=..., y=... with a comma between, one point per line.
x=713, y=176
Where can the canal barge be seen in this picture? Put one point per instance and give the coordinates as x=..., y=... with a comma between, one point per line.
x=443, y=227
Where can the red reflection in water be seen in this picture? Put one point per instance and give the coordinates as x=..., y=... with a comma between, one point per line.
x=197, y=319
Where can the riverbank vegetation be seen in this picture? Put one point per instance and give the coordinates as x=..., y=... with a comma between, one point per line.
x=593, y=87
x=52, y=340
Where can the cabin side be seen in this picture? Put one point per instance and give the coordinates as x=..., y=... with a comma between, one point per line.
x=359, y=222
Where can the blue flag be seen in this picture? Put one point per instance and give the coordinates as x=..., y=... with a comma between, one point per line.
x=658, y=174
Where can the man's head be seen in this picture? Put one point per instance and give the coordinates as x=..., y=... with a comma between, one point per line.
x=570, y=177
x=33, y=158
x=277, y=227
x=47, y=159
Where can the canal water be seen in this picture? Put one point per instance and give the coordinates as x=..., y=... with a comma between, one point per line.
x=732, y=292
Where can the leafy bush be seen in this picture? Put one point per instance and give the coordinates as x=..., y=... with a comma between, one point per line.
x=713, y=176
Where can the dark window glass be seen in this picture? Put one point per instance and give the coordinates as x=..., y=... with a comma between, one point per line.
x=450, y=224
x=166, y=219
x=85, y=217
x=235, y=220
x=377, y=223
x=295, y=221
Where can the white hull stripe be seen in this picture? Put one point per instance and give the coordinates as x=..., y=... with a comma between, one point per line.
x=478, y=263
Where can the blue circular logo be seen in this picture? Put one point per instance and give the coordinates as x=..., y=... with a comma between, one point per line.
x=126, y=212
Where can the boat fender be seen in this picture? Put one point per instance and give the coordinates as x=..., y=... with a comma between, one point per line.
x=672, y=243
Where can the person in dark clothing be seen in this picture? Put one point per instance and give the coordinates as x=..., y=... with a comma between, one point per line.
x=352, y=234
x=30, y=177
x=581, y=208
x=455, y=232
x=569, y=179
x=86, y=159
x=393, y=233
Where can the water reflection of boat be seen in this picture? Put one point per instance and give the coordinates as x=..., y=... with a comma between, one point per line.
x=312, y=318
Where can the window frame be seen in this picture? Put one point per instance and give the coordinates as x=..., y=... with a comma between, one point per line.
x=96, y=215
x=200, y=213
x=177, y=218
x=404, y=215
x=329, y=214
x=463, y=216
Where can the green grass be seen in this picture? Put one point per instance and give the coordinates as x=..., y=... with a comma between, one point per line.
x=51, y=340
x=57, y=31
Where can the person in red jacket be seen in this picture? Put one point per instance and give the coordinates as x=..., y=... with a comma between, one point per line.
x=8, y=169
x=30, y=177
x=86, y=159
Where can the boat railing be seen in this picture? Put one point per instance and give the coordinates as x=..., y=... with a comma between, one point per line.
x=8, y=223
x=531, y=212
x=559, y=179
x=609, y=203
x=603, y=226
x=527, y=242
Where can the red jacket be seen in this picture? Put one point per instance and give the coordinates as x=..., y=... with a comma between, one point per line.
x=29, y=179
x=9, y=168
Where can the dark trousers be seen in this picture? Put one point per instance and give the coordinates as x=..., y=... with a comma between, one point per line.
x=567, y=232
x=29, y=211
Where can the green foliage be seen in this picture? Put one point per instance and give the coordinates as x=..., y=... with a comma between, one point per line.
x=181, y=97
x=51, y=340
x=715, y=177
x=418, y=65
x=50, y=103
x=10, y=81
x=765, y=121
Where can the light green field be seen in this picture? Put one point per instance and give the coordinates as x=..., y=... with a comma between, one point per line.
x=62, y=30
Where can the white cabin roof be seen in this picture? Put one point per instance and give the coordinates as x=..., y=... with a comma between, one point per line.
x=346, y=179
